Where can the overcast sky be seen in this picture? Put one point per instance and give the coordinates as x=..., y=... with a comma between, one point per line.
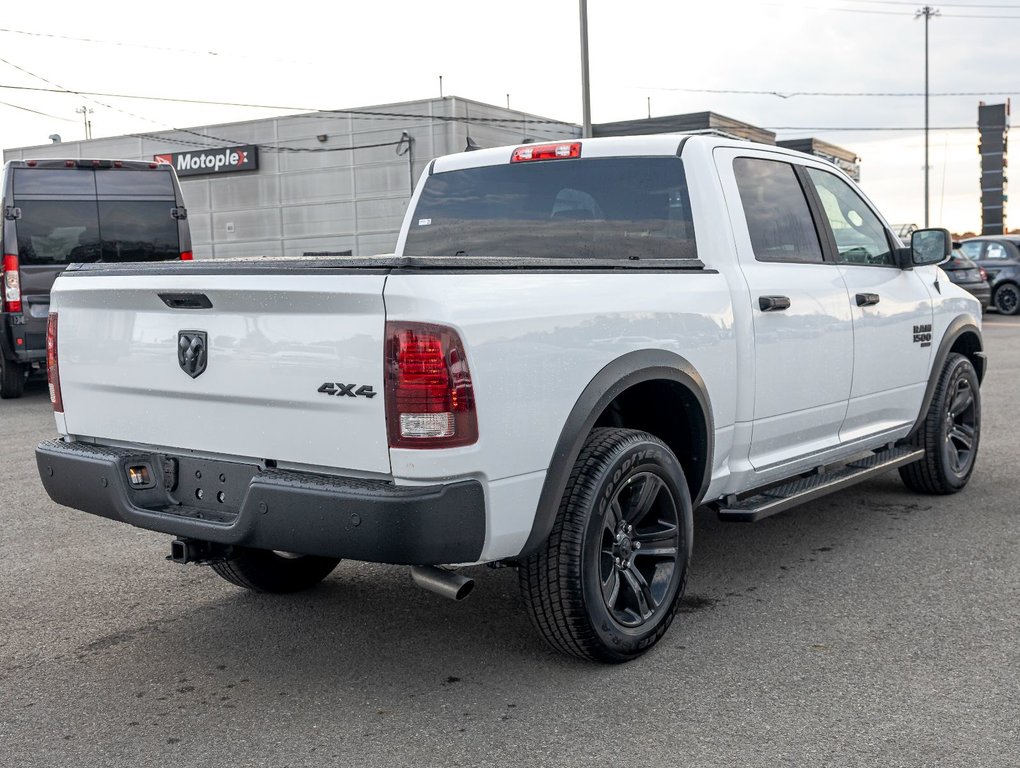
x=679, y=54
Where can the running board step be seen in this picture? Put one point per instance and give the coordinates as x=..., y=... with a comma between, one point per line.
x=803, y=489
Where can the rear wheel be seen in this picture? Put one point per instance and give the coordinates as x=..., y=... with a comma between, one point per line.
x=950, y=433
x=606, y=584
x=1007, y=299
x=12, y=379
x=262, y=570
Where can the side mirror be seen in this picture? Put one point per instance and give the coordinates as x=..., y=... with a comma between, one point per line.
x=927, y=246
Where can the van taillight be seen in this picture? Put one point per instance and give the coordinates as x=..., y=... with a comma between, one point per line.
x=52, y=363
x=187, y=256
x=11, y=281
x=430, y=402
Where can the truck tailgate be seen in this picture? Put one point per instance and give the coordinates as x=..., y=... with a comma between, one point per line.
x=272, y=341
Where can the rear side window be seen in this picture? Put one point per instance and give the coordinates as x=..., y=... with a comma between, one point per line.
x=996, y=251
x=778, y=219
x=598, y=208
x=85, y=215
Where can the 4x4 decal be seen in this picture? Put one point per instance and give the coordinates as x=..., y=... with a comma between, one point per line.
x=346, y=390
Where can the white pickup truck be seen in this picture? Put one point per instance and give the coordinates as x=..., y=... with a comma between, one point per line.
x=574, y=346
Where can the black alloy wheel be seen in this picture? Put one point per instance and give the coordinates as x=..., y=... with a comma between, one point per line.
x=606, y=584
x=950, y=433
x=639, y=550
x=1007, y=299
x=959, y=446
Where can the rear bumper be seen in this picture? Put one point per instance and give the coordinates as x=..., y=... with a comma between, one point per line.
x=311, y=514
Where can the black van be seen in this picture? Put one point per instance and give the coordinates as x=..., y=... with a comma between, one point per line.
x=59, y=212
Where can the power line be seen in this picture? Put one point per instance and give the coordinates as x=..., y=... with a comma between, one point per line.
x=791, y=94
x=318, y=112
x=834, y=129
x=37, y=112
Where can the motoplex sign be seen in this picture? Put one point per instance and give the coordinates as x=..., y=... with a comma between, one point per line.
x=225, y=160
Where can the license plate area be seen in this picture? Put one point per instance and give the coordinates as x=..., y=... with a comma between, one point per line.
x=203, y=484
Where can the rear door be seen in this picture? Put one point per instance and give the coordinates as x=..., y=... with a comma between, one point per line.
x=803, y=335
x=57, y=214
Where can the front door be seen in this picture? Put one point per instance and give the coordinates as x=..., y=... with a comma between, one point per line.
x=892, y=314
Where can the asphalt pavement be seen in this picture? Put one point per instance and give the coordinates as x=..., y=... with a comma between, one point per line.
x=871, y=628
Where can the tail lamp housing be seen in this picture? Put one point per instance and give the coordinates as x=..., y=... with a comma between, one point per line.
x=53, y=363
x=10, y=284
x=430, y=400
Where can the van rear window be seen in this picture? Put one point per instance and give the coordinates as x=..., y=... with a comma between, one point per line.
x=597, y=208
x=84, y=215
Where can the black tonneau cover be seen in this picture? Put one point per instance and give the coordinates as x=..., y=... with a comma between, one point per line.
x=383, y=263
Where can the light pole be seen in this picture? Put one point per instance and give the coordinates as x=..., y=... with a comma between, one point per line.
x=927, y=12
x=84, y=111
x=585, y=95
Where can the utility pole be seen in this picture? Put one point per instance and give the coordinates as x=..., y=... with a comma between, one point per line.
x=84, y=111
x=927, y=12
x=585, y=89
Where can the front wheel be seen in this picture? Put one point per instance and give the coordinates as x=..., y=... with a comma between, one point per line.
x=1007, y=299
x=262, y=570
x=12, y=379
x=606, y=584
x=950, y=432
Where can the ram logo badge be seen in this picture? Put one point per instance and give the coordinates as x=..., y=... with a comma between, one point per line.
x=193, y=352
x=922, y=334
x=337, y=389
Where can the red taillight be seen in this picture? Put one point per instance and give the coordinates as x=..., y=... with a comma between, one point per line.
x=984, y=275
x=531, y=152
x=11, y=284
x=187, y=256
x=52, y=363
x=430, y=402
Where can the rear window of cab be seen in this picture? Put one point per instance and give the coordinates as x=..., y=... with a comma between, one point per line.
x=590, y=208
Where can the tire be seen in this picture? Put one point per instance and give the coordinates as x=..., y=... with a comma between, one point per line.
x=12, y=379
x=950, y=433
x=262, y=570
x=1007, y=299
x=606, y=584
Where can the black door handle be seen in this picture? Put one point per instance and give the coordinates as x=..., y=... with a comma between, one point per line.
x=773, y=303
x=867, y=299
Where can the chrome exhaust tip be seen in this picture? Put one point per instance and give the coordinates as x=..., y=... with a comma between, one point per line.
x=449, y=584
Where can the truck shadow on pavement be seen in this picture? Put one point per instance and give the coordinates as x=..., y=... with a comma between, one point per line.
x=368, y=626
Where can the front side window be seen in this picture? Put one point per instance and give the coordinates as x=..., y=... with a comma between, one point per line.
x=778, y=218
x=972, y=249
x=860, y=236
x=598, y=208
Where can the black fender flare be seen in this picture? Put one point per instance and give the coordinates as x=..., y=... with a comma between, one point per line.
x=616, y=377
x=960, y=326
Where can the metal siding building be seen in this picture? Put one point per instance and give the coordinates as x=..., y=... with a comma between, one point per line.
x=320, y=185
